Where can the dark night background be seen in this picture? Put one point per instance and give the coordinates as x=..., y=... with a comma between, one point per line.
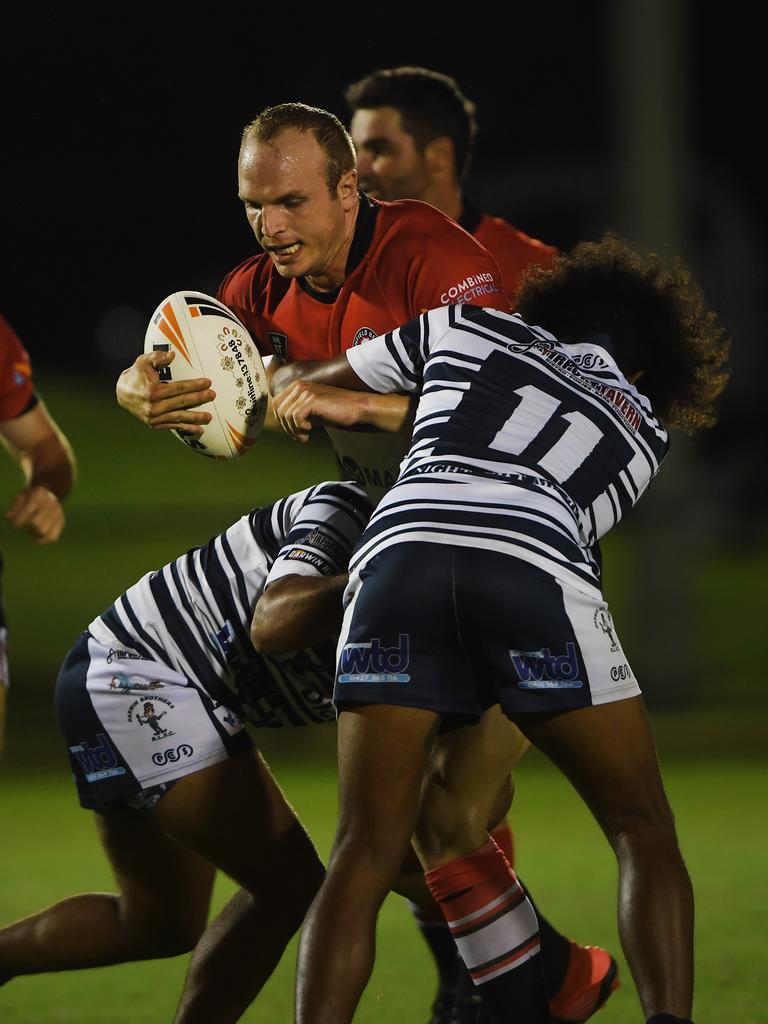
x=121, y=133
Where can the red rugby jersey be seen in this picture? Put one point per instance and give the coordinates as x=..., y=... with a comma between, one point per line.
x=16, y=391
x=512, y=249
x=406, y=257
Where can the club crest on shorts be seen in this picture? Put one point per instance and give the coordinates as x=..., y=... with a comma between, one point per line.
x=603, y=621
x=150, y=713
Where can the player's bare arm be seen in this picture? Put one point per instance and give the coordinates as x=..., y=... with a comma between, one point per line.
x=296, y=612
x=46, y=459
x=331, y=393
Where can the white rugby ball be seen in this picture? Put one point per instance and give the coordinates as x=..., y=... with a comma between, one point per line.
x=209, y=341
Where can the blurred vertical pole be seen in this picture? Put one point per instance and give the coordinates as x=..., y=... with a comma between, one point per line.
x=650, y=111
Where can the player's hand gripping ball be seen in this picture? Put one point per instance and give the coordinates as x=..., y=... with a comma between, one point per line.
x=209, y=341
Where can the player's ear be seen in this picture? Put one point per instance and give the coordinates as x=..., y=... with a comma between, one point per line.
x=440, y=157
x=346, y=190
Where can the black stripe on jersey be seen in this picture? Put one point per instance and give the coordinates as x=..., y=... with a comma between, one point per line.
x=504, y=513
x=582, y=570
x=424, y=327
x=463, y=319
x=219, y=582
x=213, y=612
x=160, y=653
x=614, y=508
x=187, y=642
x=340, y=495
x=242, y=590
x=199, y=629
x=593, y=524
x=112, y=621
x=623, y=495
x=406, y=371
x=629, y=483
x=263, y=533
x=472, y=523
x=463, y=357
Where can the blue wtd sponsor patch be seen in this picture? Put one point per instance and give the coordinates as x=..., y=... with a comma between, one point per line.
x=372, y=662
x=543, y=670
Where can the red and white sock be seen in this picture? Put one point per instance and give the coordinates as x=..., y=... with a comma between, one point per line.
x=502, y=836
x=496, y=931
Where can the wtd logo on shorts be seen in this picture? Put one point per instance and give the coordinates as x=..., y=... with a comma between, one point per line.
x=374, y=663
x=100, y=761
x=543, y=670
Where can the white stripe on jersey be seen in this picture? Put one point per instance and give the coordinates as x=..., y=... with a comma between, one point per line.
x=532, y=423
x=194, y=614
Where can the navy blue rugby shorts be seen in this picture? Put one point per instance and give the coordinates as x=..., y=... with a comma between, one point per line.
x=458, y=629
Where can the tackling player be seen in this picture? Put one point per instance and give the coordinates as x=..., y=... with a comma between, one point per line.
x=414, y=131
x=151, y=700
x=34, y=440
x=525, y=450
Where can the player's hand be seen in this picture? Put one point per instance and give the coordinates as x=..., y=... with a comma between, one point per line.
x=163, y=406
x=302, y=404
x=39, y=511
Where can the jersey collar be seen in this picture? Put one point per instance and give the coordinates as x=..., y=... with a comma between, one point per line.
x=361, y=240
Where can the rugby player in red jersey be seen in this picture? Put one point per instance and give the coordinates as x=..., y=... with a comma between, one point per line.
x=45, y=457
x=413, y=130
x=337, y=269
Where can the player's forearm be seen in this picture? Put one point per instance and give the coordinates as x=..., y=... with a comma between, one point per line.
x=387, y=413
x=296, y=612
x=49, y=463
x=336, y=372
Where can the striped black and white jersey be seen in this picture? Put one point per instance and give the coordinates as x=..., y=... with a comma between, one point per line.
x=521, y=444
x=194, y=614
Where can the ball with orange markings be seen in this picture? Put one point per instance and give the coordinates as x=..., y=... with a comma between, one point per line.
x=209, y=341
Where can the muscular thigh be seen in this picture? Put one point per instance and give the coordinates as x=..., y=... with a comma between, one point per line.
x=235, y=815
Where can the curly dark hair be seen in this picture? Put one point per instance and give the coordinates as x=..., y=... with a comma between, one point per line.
x=654, y=314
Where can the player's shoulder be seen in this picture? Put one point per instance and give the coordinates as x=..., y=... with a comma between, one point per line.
x=10, y=344
x=496, y=232
x=410, y=218
x=247, y=280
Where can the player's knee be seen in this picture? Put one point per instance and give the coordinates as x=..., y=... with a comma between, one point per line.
x=171, y=932
x=449, y=826
x=173, y=937
x=645, y=822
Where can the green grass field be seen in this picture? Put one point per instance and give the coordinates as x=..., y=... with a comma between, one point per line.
x=143, y=499
x=49, y=851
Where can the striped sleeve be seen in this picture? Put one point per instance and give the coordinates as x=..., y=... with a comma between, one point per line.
x=323, y=532
x=395, y=361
